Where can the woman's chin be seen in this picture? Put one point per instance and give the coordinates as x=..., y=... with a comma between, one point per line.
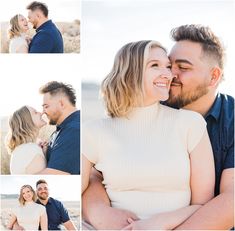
x=164, y=97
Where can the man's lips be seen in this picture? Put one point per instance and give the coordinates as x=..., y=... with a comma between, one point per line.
x=175, y=84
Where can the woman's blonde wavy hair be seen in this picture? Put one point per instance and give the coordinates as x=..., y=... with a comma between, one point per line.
x=21, y=198
x=122, y=89
x=14, y=29
x=22, y=129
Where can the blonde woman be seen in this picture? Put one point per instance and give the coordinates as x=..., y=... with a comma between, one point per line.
x=156, y=161
x=27, y=156
x=19, y=40
x=28, y=214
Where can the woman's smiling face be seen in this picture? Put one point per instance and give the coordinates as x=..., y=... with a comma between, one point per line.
x=157, y=76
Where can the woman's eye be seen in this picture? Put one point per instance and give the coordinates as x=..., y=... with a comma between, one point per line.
x=155, y=65
x=169, y=67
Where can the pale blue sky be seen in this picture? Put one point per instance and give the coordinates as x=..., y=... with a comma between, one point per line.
x=108, y=25
x=59, y=10
x=23, y=75
x=66, y=188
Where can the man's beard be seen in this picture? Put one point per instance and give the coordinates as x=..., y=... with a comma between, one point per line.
x=52, y=122
x=43, y=197
x=185, y=98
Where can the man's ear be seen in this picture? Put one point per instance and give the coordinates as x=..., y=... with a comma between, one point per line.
x=61, y=101
x=216, y=76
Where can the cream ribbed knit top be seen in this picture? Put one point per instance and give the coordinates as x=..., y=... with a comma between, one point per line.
x=28, y=216
x=22, y=159
x=145, y=158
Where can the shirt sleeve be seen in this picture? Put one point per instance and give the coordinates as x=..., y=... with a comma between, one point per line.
x=66, y=151
x=195, y=126
x=63, y=213
x=42, y=43
x=42, y=210
x=229, y=160
x=90, y=141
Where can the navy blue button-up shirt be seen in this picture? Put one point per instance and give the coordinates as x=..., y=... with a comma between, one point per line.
x=56, y=213
x=220, y=127
x=47, y=39
x=63, y=151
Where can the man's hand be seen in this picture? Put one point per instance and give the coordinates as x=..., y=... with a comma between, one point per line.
x=147, y=224
x=112, y=218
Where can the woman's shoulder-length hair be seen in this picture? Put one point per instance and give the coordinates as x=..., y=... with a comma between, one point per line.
x=122, y=89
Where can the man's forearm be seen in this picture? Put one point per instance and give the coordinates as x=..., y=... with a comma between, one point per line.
x=217, y=214
x=94, y=196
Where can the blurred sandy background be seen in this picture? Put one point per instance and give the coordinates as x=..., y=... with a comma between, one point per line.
x=92, y=103
x=70, y=32
x=44, y=134
x=10, y=201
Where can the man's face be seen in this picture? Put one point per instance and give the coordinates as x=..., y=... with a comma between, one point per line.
x=42, y=191
x=52, y=108
x=33, y=18
x=192, y=74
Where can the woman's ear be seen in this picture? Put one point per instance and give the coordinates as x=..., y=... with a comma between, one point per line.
x=216, y=76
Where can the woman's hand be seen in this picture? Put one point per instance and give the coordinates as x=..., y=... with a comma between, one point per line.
x=44, y=146
x=28, y=39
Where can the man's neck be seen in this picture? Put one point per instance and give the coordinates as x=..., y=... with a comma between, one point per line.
x=66, y=114
x=203, y=104
x=44, y=202
x=42, y=22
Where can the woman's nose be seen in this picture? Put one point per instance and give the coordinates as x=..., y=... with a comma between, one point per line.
x=167, y=73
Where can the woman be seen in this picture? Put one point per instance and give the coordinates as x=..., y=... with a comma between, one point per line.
x=28, y=214
x=19, y=41
x=156, y=161
x=26, y=155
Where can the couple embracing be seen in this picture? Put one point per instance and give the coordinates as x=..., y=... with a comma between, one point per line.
x=164, y=157
x=61, y=155
x=47, y=39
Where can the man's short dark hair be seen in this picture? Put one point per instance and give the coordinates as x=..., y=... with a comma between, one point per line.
x=40, y=182
x=55, y=87
x=210, y=43
x=38, y=5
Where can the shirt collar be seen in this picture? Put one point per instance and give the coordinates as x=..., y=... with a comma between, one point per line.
x=48, y=202
x=67, y=120
x=43, y=25
x=215, y=109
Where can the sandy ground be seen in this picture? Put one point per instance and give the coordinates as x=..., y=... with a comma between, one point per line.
x=6, y=205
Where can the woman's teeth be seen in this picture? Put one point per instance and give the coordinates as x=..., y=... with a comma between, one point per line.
x=160, y=84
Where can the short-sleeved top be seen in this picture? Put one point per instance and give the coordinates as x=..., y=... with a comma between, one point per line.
x=22, y=157
x=57, y=214
x=220, y=127
x=63, y=152
x=28, y=215
x=17, y=44
x=145, y=158
x=47, y=39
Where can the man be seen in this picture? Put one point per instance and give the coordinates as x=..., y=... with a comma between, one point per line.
x=48, y=38
x=197, y=66
x=56, y=213
x=63, y=152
